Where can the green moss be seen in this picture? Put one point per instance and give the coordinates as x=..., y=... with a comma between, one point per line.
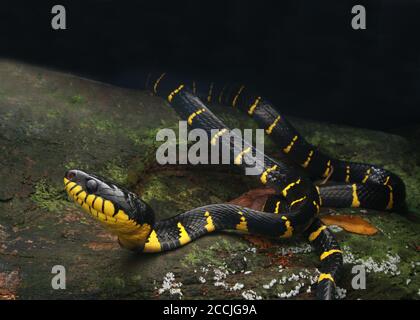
x=48, y=197
x=145, y=138
x=412, y=182
x=52, y=114
x=35, y=127
x=159, y=193
x=115, y=172
x=76, y=164
x=113, y=284
x=217, y=254
x=135, y=137
x=136, y=278
x=76, y=99
x=7, y=116
x=104, y=125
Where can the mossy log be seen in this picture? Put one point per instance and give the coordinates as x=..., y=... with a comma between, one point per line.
x=51, y=121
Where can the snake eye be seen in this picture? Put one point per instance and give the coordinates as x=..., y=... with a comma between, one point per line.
x=91, y=186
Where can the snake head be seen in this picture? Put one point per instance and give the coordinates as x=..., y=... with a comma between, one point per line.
x=119, y=210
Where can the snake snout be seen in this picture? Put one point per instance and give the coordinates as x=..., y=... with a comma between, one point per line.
x=71, y=174
x=77, y=176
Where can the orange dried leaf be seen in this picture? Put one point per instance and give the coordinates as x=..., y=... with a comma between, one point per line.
x=350, y=223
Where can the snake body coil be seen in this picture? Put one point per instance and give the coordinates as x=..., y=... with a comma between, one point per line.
x=292, y=210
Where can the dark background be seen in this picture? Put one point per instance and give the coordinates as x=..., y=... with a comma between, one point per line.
x=303, y=55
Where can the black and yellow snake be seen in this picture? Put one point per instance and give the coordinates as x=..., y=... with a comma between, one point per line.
x=292, y=210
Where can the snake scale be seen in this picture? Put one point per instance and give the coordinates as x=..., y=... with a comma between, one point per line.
x=292, y=210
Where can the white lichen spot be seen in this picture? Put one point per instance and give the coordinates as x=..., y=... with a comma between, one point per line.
x=251, y=295
x=169, y=284
x=292, y=293
x=305, y=248
x=272, y=283
x=220, y=274
x=221, y=284
x=340, y=293
x=236, y=287
x=202, y=279
x=252, y=250
x=387, y=266
x=335, y=228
